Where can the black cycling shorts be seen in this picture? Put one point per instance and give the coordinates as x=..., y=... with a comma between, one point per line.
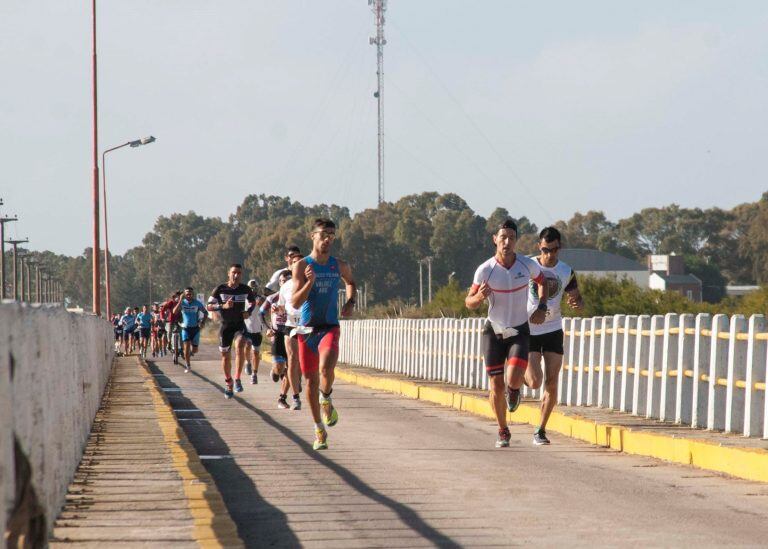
x=227, y=333
x=551, y=342
x=278, y=346
x=499, y=352
x=254, y=339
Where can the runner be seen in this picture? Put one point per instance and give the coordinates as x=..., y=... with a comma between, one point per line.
x=128, y=323
x=144, y=320
x=172, y=320
x=234, y=301
x=316, y=286
x=276, y=331
x=547, y=338
x=136, y=334
x=253, y=336
x=160, y=338
x=290, y=335
x=118, y=332
x=292, y=254
x=191, y=310
x=503, y=281
x=155, y=314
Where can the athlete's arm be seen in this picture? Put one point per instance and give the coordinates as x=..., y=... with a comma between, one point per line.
x=575, y=301
x=214, y=302
x=303, y=279
x=177, y=307
x=476, y=295
x=346, y=275
x=540, y=314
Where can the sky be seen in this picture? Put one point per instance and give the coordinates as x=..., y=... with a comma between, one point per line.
x=543, y=108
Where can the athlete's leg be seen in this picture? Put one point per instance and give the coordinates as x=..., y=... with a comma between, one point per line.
x=239, y=356
x=552, y=363
x=294, y=369
x=313, y=394
x=497, y=398
x=533, y=374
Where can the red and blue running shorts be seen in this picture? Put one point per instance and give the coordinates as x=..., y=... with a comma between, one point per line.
x=322, y=340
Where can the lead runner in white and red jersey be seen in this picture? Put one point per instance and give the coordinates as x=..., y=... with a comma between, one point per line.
x=503, y=281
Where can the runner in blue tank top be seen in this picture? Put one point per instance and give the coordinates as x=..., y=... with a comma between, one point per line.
x=316, y=284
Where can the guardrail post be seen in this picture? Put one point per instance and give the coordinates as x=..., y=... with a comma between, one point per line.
x=596, y=325
x=565, y=393
x=642, y=357
x=650, y=398
x=476, y=369
x=701, y=352
x=718, y=368
x=617, y=354
x=583, y=324
x=685, y=356
x=737, y=371
x=666, y=392
x=754, y=400
x=603, y=377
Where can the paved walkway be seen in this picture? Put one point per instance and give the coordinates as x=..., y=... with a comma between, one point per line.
x=406, y=473
x=140, y=483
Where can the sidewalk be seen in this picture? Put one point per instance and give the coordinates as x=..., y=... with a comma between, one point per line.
x=734, y=455
x=140, y=482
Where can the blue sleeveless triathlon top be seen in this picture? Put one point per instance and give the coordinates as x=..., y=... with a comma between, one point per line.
x=322, y=306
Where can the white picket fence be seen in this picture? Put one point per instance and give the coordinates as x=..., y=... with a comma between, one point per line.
x=700, y=370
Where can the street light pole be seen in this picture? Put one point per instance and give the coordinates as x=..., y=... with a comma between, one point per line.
x=15, y=243
x=135, y=143
x=3, y=221
x=96, y=275
x=37, y=283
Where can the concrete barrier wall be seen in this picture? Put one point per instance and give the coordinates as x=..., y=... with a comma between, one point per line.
x=703, y=371
x=54, y=366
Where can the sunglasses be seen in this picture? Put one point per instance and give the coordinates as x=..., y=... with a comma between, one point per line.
x=325, y=234
x=546, y=250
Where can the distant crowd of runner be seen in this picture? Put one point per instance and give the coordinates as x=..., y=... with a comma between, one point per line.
x=297, y=309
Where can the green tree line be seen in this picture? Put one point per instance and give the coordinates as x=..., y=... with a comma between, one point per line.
x=384, y=245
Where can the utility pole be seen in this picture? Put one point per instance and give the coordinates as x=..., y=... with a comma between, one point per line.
x=38, y=280
x=421, y=284
x=15, y=243
x=23, y=276
x=429, y=278
x=96, y=275
x=3, y=221
x=378, y=7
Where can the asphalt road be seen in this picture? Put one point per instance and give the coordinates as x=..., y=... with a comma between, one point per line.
x=404, y=473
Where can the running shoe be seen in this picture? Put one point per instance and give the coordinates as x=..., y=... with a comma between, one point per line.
x=296, y=403
x=513, y=399
x=275, y=376
x=321, y=439
x=187, y=368
x=238, y=386
x=504, y=437
x=254, y=379
x=282, y=403
x=329, y=413
x=228, y=393
x=540, y=437
x=248, y=368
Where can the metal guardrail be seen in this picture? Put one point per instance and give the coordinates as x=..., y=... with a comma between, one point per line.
x=701, y=370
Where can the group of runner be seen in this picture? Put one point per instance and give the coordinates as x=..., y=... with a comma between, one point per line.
x=298, y=310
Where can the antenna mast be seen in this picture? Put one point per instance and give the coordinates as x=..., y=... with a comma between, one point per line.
x=378, y=7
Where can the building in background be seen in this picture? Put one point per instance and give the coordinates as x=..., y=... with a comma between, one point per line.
x=740, y=290
x=667, y=273
x=603, y=264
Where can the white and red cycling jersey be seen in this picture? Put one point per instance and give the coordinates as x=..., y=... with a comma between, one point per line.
x=508, y=302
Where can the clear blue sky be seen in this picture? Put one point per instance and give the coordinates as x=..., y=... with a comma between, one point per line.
x=545, y=108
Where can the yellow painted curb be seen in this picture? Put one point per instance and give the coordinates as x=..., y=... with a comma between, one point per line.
x=213, y=527
x=746, y=463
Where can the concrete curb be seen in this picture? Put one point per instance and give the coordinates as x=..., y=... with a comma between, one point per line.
x=746, y=463
x=213, y=525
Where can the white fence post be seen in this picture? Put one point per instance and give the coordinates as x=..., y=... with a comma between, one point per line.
x=685, y=356
x=604, y=377
x=737, y=371
x=701, y=357
x=573, y=341
x=650, y=397
x=718, y=368
x=617, y=354
x=578, y=393
x=667, y=388
x=754, y=400
x=642, y=352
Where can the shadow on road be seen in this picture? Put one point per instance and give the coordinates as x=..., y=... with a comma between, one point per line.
x=234, y=485
x=408, y=516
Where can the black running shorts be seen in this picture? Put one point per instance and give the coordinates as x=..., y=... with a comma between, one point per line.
x=254, y=339
x=278, y=345
x=227, y=333
x=499, y=352
x=551, y=342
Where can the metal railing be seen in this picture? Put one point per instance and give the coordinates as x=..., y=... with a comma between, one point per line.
x=700, y=370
